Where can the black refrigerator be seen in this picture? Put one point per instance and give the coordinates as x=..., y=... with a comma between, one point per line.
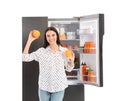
x=84, y=36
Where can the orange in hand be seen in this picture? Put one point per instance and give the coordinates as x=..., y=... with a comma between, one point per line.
x=36, y=33
x=68, y=53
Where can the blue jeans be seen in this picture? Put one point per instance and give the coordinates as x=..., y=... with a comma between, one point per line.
x=48, y=96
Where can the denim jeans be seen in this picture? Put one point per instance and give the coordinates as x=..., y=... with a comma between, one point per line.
x=48, y=96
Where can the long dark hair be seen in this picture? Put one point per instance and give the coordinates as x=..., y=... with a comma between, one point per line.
x=45, y=39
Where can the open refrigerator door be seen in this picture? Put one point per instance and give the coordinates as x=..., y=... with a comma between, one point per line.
x=83, y=35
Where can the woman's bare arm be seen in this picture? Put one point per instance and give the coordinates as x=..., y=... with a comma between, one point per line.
x=29, y=41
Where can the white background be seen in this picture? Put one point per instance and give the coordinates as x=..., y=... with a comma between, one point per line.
x=11, y=12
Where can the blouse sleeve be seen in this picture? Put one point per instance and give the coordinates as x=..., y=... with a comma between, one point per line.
x=32, y=56
x=66, y=62
x=68, y=67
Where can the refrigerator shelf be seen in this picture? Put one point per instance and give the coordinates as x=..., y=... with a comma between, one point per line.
x=87, y=34
x=87, y=50
x=76, y=69
x=82, y=53
x=80, y=50
x=70, y=40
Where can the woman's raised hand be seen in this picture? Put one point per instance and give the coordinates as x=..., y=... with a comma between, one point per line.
x=31, y=38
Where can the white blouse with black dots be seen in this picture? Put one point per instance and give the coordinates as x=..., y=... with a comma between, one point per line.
x=52, y=66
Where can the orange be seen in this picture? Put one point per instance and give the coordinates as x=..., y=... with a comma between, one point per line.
x=68, y=53
x=36, y=33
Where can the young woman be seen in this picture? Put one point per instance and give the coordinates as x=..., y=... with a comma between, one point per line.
x=52, y=64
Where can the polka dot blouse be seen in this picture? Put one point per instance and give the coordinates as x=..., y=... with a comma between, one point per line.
x=52, y=66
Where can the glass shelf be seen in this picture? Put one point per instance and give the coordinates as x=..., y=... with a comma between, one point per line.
x=86, y=34
x=70, y=40
x=72, y=77
x=86, y=50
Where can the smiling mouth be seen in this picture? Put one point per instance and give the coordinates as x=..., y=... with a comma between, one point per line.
x=51, y=40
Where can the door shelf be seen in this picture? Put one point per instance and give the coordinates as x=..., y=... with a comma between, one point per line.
x=87, y=50
x=86, y=82
x=88, y=79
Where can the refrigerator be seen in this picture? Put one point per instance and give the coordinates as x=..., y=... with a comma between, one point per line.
x=84, y=36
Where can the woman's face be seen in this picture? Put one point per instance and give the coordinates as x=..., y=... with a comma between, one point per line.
x=51, y=37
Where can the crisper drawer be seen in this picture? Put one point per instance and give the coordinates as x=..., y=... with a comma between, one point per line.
x=73, y=77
